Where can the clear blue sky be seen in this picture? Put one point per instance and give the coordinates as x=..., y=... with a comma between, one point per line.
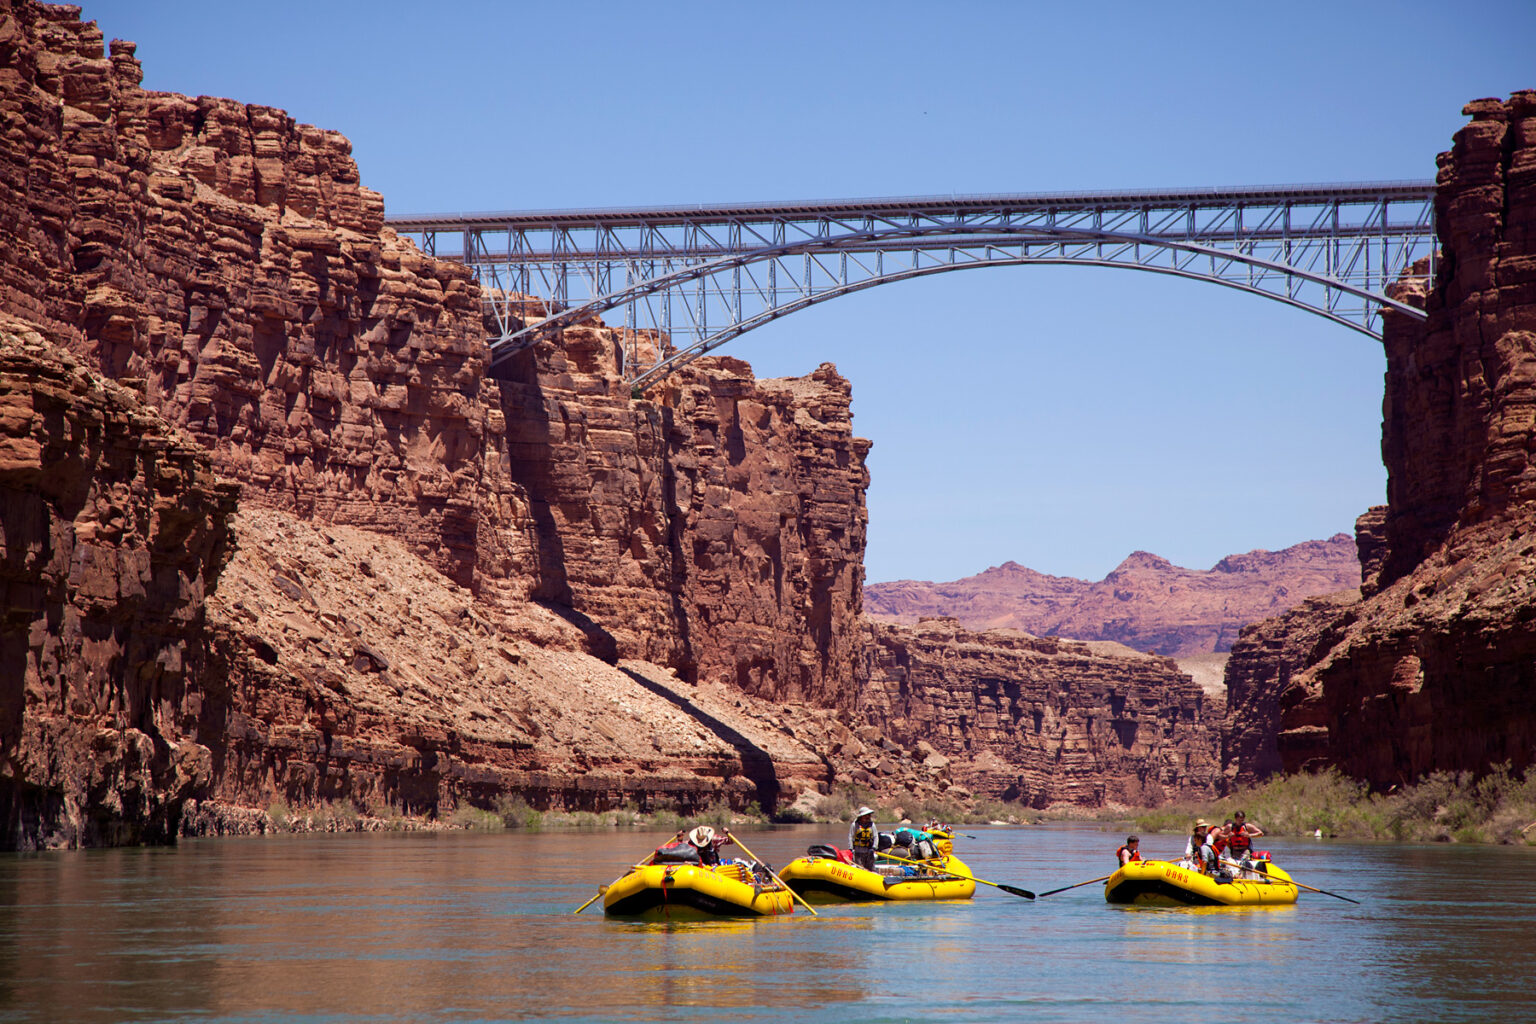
x=1058, y=417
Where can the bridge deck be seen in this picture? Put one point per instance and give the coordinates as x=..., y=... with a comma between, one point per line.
x=897, y=205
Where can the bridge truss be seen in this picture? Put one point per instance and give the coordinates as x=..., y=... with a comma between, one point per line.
x=700, y=276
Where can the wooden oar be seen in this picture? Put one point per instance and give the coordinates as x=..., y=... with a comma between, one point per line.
x=600, y=890
x=1079, y=885
x=1012, y=889
x=1299, y=885
x=768, y=869
x=633, y=867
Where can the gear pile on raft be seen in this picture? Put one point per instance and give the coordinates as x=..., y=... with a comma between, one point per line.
x=908, y=864
x=686, y=878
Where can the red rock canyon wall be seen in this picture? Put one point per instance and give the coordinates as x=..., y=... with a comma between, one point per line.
x=1040, y=720
x=589, y=564
x=1433, y=668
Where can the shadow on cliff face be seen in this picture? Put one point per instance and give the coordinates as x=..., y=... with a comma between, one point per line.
x=756, y=765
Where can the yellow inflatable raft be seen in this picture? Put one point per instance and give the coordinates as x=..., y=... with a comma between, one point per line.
x=1160, y=883
x=824, y=880
x=690, y=892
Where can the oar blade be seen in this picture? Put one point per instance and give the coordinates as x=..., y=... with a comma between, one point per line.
x=1017, y=891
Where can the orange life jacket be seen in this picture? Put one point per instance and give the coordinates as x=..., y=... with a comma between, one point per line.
x=1120, y=857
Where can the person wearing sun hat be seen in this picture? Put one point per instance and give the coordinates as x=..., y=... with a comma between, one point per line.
x=1198, y=851
x=861, y=837
x=707, y=843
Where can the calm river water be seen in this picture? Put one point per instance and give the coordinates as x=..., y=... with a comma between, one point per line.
x=478, y=927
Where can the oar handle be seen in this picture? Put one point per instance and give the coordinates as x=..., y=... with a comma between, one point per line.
x=1298, y=885
x=770, y=871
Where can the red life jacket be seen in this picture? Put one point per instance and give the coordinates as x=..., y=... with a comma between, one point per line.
x=1121, y=859
x=1240, y=841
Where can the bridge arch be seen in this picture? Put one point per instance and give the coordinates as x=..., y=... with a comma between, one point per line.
x=1332, y=250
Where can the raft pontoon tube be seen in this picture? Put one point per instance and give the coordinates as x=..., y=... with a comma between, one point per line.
x=693, y=892
x=828, y=880
x=1161, y=883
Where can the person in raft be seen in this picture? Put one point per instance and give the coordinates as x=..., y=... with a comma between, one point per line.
x=708, y=844
x=1130, y=851
x=861, y=838
x=1199, y=852
x=1240, y=838
x=1219, y=836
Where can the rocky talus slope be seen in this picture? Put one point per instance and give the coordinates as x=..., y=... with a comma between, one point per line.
x=1147, y=602
x=1432, y=669
x=576, y=596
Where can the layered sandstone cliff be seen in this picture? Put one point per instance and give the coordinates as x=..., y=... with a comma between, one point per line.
x=717, y=529
x=1432, y=670
x=1147, y=602
x=114, y=527
x=228, y=257
x=444, y=588
x=165, y=663
x=1040, y=720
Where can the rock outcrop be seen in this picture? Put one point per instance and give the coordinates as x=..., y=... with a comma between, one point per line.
x=1147, y=602
x=114, y=527
x=1432, y=670
x=1265, y=658
x=718, y=530
x=1039, y=720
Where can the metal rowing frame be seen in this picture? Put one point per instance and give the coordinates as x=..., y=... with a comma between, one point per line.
x=1330, y=249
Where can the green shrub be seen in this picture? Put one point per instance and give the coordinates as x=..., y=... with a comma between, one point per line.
x=1443, y=806
x=717, y=815
x=666, y=820
x=515, y=813
x=469, y=817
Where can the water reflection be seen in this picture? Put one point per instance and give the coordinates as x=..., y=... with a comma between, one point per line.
x=466, y=927
x=1183, y=934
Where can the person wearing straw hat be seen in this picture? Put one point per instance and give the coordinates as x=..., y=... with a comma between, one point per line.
x=708, y=844
x=861, y=837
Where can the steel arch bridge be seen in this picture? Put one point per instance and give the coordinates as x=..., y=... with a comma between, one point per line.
x=702, y=275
